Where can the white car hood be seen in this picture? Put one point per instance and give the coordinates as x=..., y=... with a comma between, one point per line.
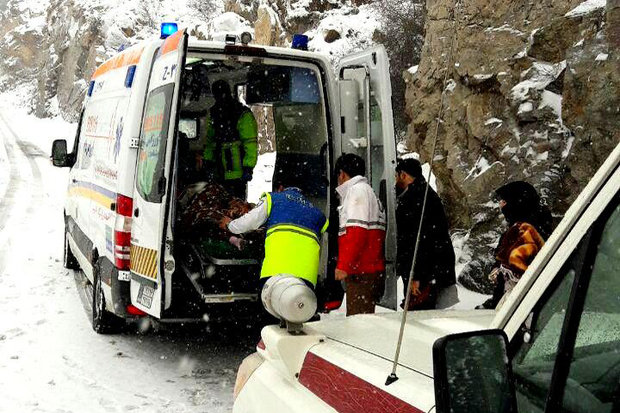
x=378, y=333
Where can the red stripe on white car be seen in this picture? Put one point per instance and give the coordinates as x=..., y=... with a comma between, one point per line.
x=345, y=392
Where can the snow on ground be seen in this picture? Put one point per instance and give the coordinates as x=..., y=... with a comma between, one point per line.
x=50, y=359
x=4, y=171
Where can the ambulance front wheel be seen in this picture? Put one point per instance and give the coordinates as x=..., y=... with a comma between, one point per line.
x=104, y=322
x=69, y=260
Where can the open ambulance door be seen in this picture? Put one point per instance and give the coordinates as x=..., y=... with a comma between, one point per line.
x=152, y=263
x=367, y=129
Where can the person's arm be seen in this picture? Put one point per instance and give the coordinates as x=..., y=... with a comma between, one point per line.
x=250, y=221
x=248, y=133
x=530, y=242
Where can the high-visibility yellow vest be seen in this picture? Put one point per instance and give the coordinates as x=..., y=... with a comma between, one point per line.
x=293, y=239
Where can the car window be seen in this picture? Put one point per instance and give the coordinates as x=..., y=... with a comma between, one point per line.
x=534, y=360
x=593, y=383
x=152, y=152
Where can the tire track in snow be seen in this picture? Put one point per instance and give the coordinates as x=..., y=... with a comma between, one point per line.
x=24, y=180
x=6, y=201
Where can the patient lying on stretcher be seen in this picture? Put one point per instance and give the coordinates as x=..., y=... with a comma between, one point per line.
x=203, y=206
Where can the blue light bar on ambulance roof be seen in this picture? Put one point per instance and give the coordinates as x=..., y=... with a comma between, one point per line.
x=300, y=41
x=168, y=28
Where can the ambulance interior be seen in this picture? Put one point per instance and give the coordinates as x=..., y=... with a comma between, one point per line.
x=286, y=101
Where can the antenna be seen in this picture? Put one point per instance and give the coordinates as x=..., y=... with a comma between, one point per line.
x=393, y=377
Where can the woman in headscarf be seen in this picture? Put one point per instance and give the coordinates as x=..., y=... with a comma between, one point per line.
x=529, y=225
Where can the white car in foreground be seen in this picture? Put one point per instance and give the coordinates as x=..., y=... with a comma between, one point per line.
x=560, y=329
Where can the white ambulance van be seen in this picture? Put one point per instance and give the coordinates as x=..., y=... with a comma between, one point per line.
x=554, y=345
x=143, y=126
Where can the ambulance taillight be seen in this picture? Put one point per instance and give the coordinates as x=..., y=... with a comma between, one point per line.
x=122, y=232
x=124, y=205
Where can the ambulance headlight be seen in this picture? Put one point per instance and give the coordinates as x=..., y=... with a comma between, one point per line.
x=168, y=28
x=289, y=298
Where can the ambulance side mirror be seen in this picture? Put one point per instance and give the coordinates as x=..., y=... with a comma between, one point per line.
x=473, y=373
x=60, y=157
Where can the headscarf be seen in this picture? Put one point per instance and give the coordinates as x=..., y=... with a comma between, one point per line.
x=523, y=204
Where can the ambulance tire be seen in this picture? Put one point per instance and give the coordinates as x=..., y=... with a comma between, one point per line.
x=69, y=260
x=104, y=322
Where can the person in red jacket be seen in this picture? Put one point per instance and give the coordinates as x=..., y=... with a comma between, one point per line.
x=361, y=237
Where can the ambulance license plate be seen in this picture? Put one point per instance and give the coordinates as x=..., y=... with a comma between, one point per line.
x=145, y=295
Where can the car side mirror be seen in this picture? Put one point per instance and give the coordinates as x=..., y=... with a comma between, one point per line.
x=473, y=373
x=60, y=157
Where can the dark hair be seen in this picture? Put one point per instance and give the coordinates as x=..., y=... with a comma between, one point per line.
x=411, y=166
x=523, y=204
x=221, y=89
x=350, y=164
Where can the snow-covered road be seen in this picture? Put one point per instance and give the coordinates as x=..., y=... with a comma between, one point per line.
x=50, y=358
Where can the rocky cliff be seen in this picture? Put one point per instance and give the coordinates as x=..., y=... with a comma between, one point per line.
x=532, y=93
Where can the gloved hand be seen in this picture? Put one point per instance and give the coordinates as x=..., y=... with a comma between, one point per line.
x=247, y=174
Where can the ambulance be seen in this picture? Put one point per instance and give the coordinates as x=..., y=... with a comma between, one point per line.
x=141, y=131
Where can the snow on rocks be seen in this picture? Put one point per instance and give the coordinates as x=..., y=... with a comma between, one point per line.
x=538, y=77
x=525, y=107
x=354, y=26
x=227, y=23
x=601, y=57
x=586, y=7
x=492, y=121
x=553, y=101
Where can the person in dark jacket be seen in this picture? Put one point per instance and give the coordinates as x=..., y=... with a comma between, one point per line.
x=434, y=268
x=529, y=225
x=232, y=141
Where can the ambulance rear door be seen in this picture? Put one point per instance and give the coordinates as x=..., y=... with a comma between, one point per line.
x=367, y=129
x=152, y=263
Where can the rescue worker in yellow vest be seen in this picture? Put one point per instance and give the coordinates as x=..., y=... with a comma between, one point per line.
x=231, y=151
x=294, y=229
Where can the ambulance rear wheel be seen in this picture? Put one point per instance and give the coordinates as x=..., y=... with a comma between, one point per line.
x=69, y=260
x=104, y=322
